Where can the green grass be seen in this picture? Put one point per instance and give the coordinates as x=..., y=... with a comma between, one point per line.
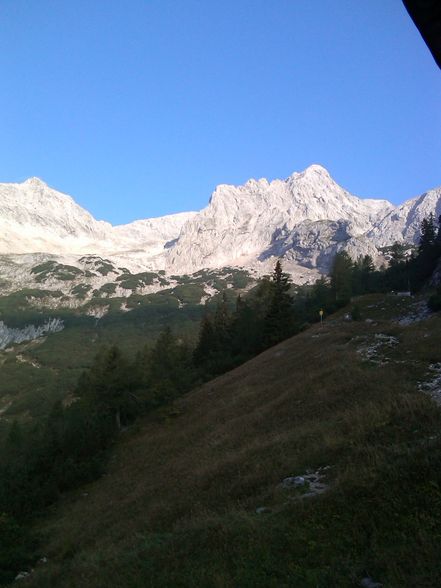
x=61, y=357
x=188, y=293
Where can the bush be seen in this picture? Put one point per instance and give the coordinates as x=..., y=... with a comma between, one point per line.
x=15, y=548
x=434, y=302
x=356, y=313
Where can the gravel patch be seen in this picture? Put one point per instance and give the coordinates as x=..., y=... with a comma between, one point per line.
x=373, y=351
x=432, y=387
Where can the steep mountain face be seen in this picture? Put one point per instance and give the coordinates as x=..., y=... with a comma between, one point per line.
x=313, y=245
x=241, y=224
x=403, y=223
x=46, y=239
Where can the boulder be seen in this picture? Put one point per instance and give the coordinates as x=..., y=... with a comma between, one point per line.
x=293, y=482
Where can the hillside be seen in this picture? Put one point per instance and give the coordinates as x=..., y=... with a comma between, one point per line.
x=40, y=365
x=343, y=404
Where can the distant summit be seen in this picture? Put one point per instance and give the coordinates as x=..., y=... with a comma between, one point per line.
x=35, y=182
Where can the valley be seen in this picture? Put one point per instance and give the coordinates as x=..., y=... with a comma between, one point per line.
x=131, y=320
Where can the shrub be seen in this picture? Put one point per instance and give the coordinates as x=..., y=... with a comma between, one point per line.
x=434, y=302
x=356, y=313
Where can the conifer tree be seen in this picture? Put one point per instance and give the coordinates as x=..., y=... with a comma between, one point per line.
x=341, y=277
x=427, y=234
x=438, y=232
x=398, y=254
x=397, y=275
x=321, y=297
x=429, y=251
x=107, y=385
x=279, y=319
x=367, y=271
x=206, y=342
x=246, y=330
x=222, y=325
x=169, y=372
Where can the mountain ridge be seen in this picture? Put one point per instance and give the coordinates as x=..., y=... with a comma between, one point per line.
x=304, y=219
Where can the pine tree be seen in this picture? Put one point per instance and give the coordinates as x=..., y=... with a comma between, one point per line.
x=213, y=352
x=398, y=254
x=341, y=277
x=362, y=272
x=397, y=276
x=367, y=271
x=438, y=232
x=429, y=251
x=222, y=325
x=321, y=298
x=170, y=370
x=357, y=276
x=206, y=342
x=427, y=234
x=438, y=240
x=279, y=319
x=246, y=330
x=107, y=385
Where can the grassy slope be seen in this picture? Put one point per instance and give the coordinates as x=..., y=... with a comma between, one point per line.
x=48, y=368
x=177, y=506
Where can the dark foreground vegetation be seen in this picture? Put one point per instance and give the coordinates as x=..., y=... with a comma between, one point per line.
x=180, y=502
x=40, y=461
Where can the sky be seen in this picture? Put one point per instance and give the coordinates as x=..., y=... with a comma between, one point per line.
x=139, y=108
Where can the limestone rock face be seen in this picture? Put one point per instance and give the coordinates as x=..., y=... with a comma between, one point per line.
x=403, y=222
x=304, y=219
x=246, y=224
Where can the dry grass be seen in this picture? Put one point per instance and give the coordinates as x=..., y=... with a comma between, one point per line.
x=177, y=505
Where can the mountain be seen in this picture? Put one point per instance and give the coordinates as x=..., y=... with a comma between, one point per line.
x=403, y=223
x=36, y=218
x=304, y=219
x=242, y=224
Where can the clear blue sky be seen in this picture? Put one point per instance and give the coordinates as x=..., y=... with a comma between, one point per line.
x=140, y=108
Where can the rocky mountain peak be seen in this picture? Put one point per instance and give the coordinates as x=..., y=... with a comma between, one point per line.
x=314, y=169
x=35, y=182
x=303, y=219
